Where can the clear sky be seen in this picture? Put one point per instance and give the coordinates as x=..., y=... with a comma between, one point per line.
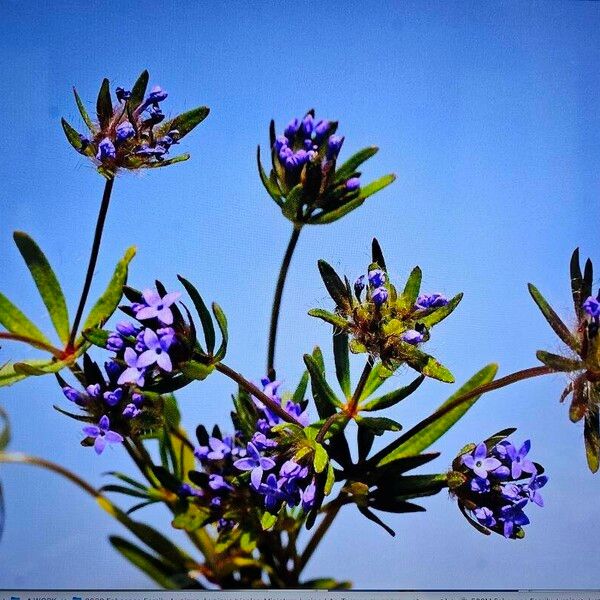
x=489, y=114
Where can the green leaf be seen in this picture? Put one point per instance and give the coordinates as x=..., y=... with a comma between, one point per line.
x=377, y=254
x=222, y=323
x=96, y=337
x=561, y=330
x=123, y=489
x=267, y=521
x=53, y=366
x=375, y=186
x=324, y=397
x=300, y=391
x=156, y=569
x=193, y=369
x=412, y=287
x=431, y=429
x=126, y=479
x=576, y=282
x=591, y=435
x=378, y=425
x=185, y=122
x=559, y=363
x=138, y=91
x=271, y=187
x=83, y=112
x=426, y=364
x=74, y=138
x=8, y=375
x=16, y=322
x=192, y=519
x=333, y=215
x=165, y=163
x=342, y=361
x=335, y=286
x=351, y=165
x=442, y=312
x=109, y=301
x=46, y=282
x=293, y=203
x=104, y=108
x=205, y=318
x=377, y=377
x=328, y=317
x=320, y=458
x=394, y=397
x=4, y=431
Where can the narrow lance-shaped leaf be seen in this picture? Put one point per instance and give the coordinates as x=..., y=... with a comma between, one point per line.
x=83, y=112
x=375, y=186
x=559, y=363
x=428, y=431
x=109, y=301
x=333, y=215
x=139, y=90
x=222, y=323
x=412, y=287
x=379, y=425
x=561, y=330
x=205, y=318
x=293, y=202
x=350, y=166
x=16, y=322
x=377, y=254
x=74, y=138
x=4, y=430
x=377, y=377
x=46, y=283
x=335, y=286
x=324, y=397
x=394, y=397
x=591, y=434
x=104, y=109
x=342, y=361
x=271, y=187
x=166, y=163
x=426, y=364
x=185, y=122
x=576, y=282
x=328, y=317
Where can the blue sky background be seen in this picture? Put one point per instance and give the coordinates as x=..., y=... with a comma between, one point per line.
x=489, y=114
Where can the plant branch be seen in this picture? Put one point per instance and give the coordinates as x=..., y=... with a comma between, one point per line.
x=252, y=389
x=32, y=342
x=283, y=271
x=482, y=389
x=93, y=258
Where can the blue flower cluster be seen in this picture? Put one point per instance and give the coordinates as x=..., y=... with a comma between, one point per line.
x=144, y=353
x=591, y=306
x=499, y=483
x=230, y=461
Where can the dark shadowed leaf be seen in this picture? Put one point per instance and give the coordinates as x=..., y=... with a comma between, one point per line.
x=351, y=165
x=270, y=185
x=104, y=109
x=138, y=90
x=324, y=397
x=207, y=323
x=559, y=363
x=591, y=434
x=222, y=323
x=342, y=361
x=335, y=286
x=394, y=397
x=378, y=425
x=83, y=112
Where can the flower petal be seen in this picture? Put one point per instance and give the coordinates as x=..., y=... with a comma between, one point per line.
x=151, y=297
x=112, y=437
x=91, y=430
x=256, y=477
x=164, y=362
x=99, y=444
x=165, y=316
x=104, y=423
x=147, y=358
x=148, y=312
x=170, y=298
x=151, y=339
x=245, y=464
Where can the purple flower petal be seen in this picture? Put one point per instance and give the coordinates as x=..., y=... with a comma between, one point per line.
x=99, y=444
x=91, y=430
x=112, y=437
x=151, y=297
x=164, y=362
x=256, y=477
x=104, y=423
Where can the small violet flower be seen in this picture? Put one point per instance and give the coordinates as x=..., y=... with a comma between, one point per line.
x=379, y=296
x=377, y=278
x=431, y=301
x=125, y=131
x=157, y=351
x=131, y=411
x=353, y=184
x=485, y=516
x=479, y=463
x=106, y=150
x=412, y=336
x=518, y=461
x=102, y=434
x=513, y=515
x=592, y=306
x=132, y=374
x=157, y=307
x=255, y=463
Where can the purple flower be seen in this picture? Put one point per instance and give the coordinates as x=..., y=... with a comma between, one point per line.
x=592, y=306
x=106, y=149
x=217, y=482
x=377, y=278
x=359, y=286
x=157, y=352
x=74, y=396
x=518, y=461
x=511, y=491
x=255, y=463
x=94, y=390
x=113, y=369
x=114, y=343
x=218, y=449
x=112, y=398
x=272, y=492
x=296, y=411
x=132, y=374
x=292, y=128
x=137, y=399
x=186, y=490
x=261, y=441
x=379, y=296
x=480, y=485
x=307, y=125
x=280, y=142
x=513, y=515
x=125, y=131
x=308, y=496
x=127, y=328
x=412, y=336
x=131, y=411
x=485, y=516
x=224, y=524
x=321, y=128
x=102, y=434
x=431, y=301
x=334, y=144
x=157, y=94
x=531, y=489
x=157, y=307
x=122, y=94
x=479, y=463
x=353, y=184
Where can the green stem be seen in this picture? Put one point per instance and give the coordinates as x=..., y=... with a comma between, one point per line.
x=252, y=389
x=32, y=342
x=283, y=271
x=482, y=389
x=26, y=459
x=93, y=258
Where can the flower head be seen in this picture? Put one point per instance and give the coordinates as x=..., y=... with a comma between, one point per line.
x=102, y=434
x=157, y=307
